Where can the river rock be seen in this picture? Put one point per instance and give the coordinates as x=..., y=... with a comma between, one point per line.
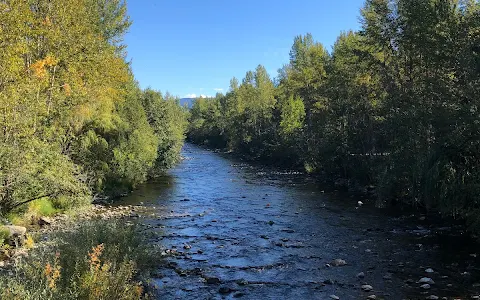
x=426, y=280
x=242, y=282
x=238, y=294
x=334, y=297
x=16, y=235
x=361, y=275
x=425, y=286
x=432, y=297
x=225, y=290
x=212, y=280
x=388, y=276
x=45, y=221
x=328, y=281
x=372, y=297
x=367, y=288
x=338, y=262
x=429, y=270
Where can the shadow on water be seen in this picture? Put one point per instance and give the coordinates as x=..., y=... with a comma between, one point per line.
x=158, y=190
x=235, y=229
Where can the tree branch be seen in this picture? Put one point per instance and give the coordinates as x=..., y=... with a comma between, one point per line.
x=32, y=199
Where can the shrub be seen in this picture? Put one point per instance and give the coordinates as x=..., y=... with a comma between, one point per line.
x=4, y=234
x=95, y=260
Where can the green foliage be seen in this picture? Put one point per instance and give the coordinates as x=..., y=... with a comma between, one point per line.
x=34, y=171
x=4, y=235
x=169, y=122
x=292, y=115
x=96, y=260
x=42, y=207
x=72, y=117
x=394, y=105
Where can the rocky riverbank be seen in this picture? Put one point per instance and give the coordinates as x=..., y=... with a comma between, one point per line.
x=20, y=239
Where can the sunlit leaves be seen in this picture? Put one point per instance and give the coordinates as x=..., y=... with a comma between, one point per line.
x=69, y=105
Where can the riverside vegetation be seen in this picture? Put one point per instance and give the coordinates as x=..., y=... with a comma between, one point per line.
x=75, y=125
x=393, y=106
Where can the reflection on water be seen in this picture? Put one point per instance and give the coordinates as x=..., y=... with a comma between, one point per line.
x=276, y=230
x=158, y=190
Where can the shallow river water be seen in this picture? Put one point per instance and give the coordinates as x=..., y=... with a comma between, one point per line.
x=235, y=230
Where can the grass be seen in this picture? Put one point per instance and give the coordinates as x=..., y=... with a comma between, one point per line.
x=33, y=211
x=96, y=260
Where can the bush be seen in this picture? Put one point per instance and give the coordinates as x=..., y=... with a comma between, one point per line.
x=96, y=260
x=4, y=234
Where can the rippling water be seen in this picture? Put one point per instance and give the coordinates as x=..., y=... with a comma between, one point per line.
x=267, y=234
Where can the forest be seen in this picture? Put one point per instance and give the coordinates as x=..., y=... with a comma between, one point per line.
x=74, y=123
x=393, y=106
x=391, y=112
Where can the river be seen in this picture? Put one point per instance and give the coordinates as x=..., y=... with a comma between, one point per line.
x=236, y=230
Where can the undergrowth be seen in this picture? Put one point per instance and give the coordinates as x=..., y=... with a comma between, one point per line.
x=95, y=260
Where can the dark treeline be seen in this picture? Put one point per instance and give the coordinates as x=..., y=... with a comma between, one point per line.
x=73, y=120
x=395, y=105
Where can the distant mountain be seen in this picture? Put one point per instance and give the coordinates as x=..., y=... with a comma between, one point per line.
x=187, y=101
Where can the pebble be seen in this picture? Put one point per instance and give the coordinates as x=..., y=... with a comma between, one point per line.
x=426, y=280
x=372, y=297
x=335, y=297
x=425, y=286
x=429, y=270
x=432, y=297
x=387, y=276
x=361, y=275
x=367, y=288
x=338, y=262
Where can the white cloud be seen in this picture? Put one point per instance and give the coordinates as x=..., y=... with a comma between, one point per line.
x=197, y=96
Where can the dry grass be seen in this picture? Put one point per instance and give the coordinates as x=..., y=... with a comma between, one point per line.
x=97, y=260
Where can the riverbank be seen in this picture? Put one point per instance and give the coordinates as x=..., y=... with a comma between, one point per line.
x=225, y=228
x=82, y=256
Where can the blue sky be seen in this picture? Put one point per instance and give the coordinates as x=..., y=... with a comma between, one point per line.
x=194, y=47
